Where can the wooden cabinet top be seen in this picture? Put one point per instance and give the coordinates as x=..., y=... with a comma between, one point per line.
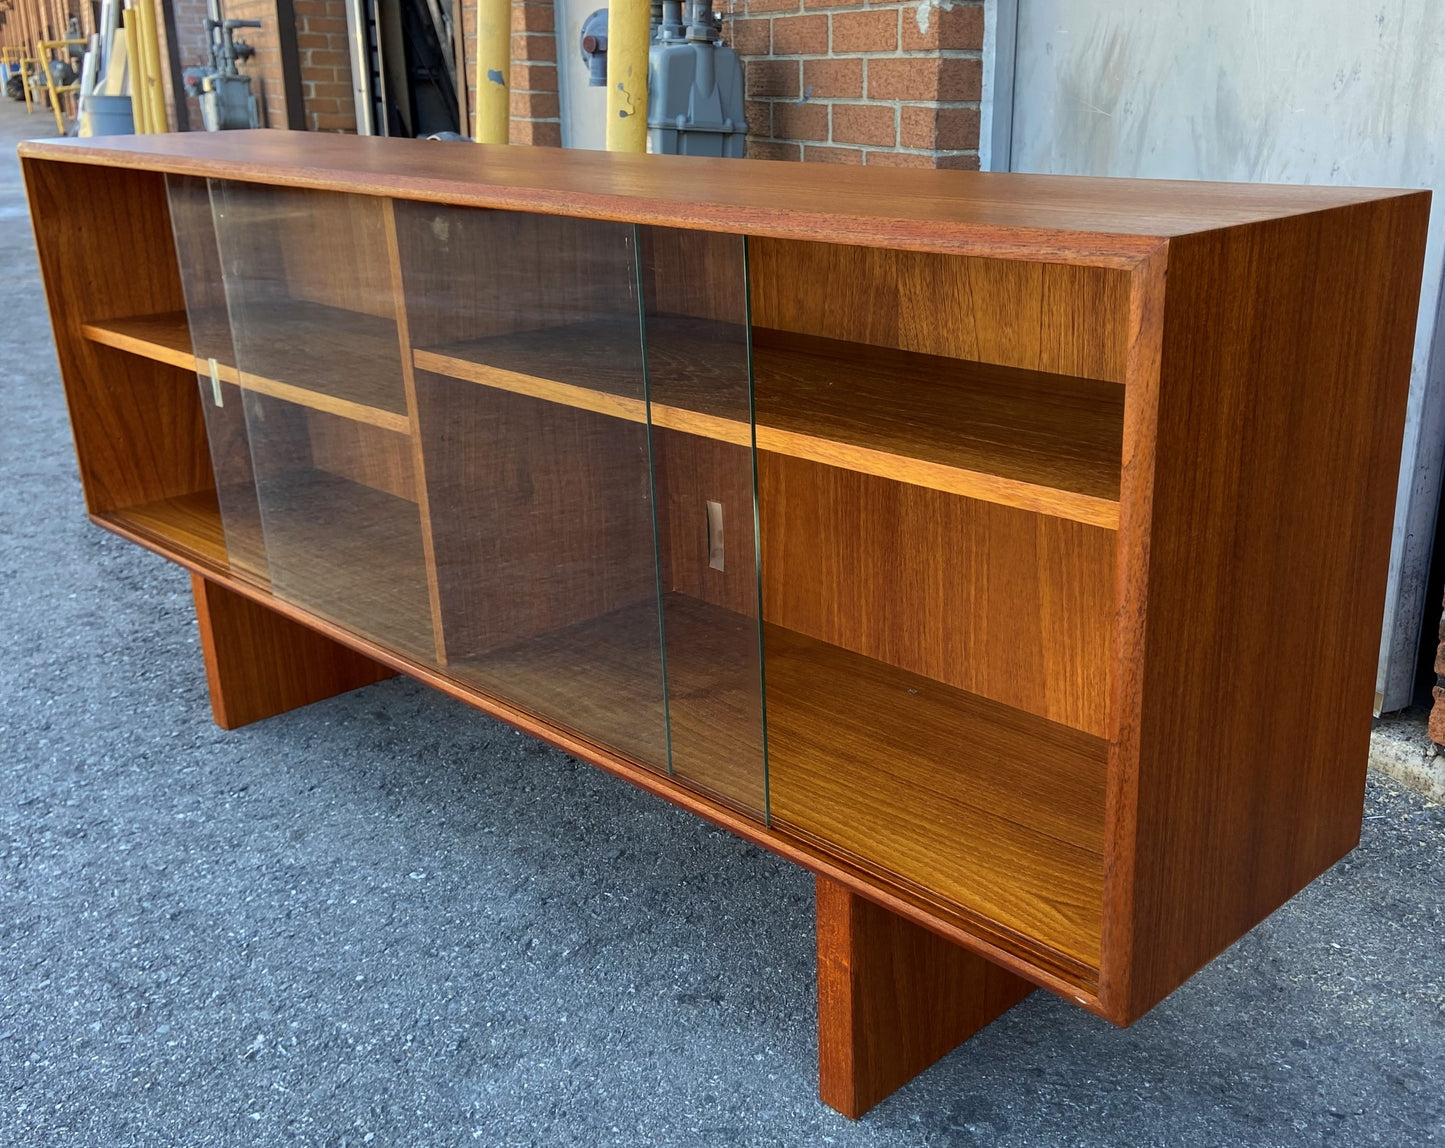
x=1104, y=222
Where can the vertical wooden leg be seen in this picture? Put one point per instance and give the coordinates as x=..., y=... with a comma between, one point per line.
x=259, y=663
x=893, y=998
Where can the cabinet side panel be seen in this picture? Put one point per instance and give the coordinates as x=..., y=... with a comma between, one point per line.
x=104, y=240
x=1286, y=363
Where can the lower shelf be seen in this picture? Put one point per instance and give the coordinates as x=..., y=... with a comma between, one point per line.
x=187, y=526
x=351, y=554
x=347, y=552
x=976, y=805
x=973, y=806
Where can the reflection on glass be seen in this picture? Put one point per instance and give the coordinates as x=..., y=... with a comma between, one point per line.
x=699, y=381
x=317, y=350
x=532, y=411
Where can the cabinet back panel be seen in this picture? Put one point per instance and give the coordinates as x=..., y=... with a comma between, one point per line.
x=1004, y=603
x=541, y=514
x=1040, y=316
x=372, y=456
x=332, y=248
x=471, y=273
x=695, y=273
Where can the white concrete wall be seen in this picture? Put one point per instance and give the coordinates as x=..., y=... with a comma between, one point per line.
x=1288, y=91
x=584, y=108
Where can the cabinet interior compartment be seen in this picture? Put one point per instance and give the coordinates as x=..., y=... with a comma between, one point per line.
x=621, y=477
x=311, y=298
x=938, y=652
x=541, y=512
x=139, y=431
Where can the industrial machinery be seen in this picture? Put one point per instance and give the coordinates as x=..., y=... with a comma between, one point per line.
x=227, y=101
x=694, y=80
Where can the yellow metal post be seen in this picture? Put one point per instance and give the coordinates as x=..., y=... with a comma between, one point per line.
x=629, y=32
x=130, y=27
x=43, y=50
x=494, y=68
x=152, y=92
x=25, y=62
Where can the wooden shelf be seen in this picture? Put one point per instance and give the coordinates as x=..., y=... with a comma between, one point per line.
x=1037, y=441
x=188, y=526
x=326, y=358
x=346, y=552
x=991, y=810
x=165, y=338
x=974, y=803
x=602, y=676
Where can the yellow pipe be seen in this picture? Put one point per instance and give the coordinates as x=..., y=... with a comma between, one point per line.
x=129, y=24
x=155, y=98
x=494, y=70
x=43, y=49
x=25, y=63
x=629, y=32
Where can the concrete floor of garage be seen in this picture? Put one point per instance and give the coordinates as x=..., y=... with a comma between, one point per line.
x=387, y=919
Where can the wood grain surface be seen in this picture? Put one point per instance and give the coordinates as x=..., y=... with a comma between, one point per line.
x=1002, y=947
x=1285, y=363
x=1015, y=606
x=1020, y=438
x=974, y=804
x=259, y=664
x=415, y=443
x=971, y=804
x=714, y=658
x=189, y=524
x=1085, y=764
x=341, y=362
x=165, y=338
x=893, y=998
x=1048, y=219
x=106, y=249
x=349, y=553
x=541, y=514
x=1054, y=317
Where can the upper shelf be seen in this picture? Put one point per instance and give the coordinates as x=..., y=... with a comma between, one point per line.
x=1040, y=442
x=329, y=359
x=1052, y=219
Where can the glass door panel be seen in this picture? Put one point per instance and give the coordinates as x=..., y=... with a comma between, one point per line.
x=210, y=339
x=309, y=289
x=701, y=414
x=532, y=407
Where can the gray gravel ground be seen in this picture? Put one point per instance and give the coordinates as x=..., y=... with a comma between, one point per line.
x=389, y=920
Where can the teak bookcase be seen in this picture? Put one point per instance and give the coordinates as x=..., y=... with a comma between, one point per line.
x=1009, y=551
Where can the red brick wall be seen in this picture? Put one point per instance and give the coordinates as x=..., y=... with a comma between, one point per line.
x=325, y=55
x=191, y=45
x=321, y=47
x=536, y=112
x=264, y=67
x=835, y=81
